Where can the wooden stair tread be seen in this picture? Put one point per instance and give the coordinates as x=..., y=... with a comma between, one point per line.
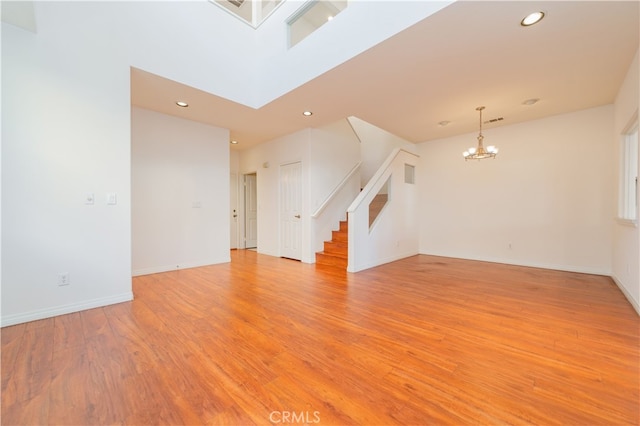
x=334, y=254
x=331, y=260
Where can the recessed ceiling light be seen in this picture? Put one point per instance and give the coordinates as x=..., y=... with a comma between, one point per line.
x=307, y=113
x=234, y=142
x=531, y=101
x=532, y=18
x=444, y=123
x=182, y=104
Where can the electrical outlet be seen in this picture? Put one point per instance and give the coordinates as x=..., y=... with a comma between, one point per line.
x=112, y=198
x=63, y=279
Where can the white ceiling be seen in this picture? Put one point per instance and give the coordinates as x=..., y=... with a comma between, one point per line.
x=468, y=54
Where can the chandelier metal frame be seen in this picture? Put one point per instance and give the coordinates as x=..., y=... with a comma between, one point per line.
x=479, y=152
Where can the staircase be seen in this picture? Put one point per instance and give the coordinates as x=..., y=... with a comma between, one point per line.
x=335, y=251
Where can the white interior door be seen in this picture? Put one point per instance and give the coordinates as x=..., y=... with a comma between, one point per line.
x=290, y=210
x=250, y=211
x=233, y=214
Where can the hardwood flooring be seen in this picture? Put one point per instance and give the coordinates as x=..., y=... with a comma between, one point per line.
x=423, y=341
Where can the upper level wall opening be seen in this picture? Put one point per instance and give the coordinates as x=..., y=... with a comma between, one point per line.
x=312, y=16
x=252, y=12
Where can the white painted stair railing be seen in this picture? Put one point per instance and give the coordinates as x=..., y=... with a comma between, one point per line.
x=395, y=233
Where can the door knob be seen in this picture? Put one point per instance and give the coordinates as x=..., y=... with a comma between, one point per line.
x=297, y=216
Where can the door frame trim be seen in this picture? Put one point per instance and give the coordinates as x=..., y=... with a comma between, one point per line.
x=243, y=237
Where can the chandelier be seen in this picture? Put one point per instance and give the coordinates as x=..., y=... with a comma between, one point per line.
x=480, y=152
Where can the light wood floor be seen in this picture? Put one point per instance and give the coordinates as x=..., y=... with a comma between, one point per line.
x=426, y=340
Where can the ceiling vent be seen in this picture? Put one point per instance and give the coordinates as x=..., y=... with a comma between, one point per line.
x=237, y=3
x=493, y=120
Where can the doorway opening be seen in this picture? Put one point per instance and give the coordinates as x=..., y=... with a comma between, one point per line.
x=234, y=228
x=251, y=211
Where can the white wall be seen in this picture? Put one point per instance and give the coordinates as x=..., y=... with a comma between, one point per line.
x=626, y=237
x=334, y=150
x=180, y=193
x=65, y=133
x=234, y=161
x=545, y=201
x=376, y=145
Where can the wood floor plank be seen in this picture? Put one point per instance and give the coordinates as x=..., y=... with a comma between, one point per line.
x=68, y=332
x=70, y=372
x=425, y=340
x=11, y=338
x=31, y=376
x=94, y=323
x=33, y=411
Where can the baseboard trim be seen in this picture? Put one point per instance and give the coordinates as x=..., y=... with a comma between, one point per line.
x=634, y=303
x=39, y=314
x=168, y=268
x=566, y=268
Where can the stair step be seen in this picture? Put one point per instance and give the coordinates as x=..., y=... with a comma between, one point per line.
x=338, y=247
x=339, y=235
x=323, y=258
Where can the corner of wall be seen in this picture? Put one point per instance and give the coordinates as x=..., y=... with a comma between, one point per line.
x=634, y=303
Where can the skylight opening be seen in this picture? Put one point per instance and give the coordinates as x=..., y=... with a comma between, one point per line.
x=252, y=12
x=312, y=16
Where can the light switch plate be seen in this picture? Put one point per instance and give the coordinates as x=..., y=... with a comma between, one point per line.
x=89, y=198
x=112, y=198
